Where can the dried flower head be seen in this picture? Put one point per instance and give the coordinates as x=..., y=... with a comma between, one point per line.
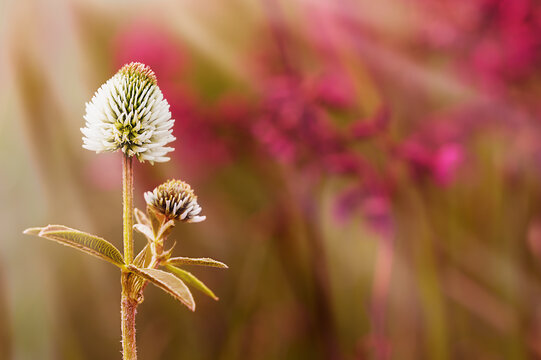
x=176, y=200
x=129, y=112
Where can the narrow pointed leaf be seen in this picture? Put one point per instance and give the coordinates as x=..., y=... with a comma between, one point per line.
x=167, y=253
x=145, y=230
x=143, y=258
x=166, y=229
x=32, y=231
x=156, y=220
x=141, y=217
x=179, y=261
x=167, y=282
x=190, y=279
x=85, y=242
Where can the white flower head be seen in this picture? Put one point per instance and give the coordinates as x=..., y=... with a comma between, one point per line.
x=129, y=112
x=176, y=200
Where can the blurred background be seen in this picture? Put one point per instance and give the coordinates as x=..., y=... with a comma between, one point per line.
x=370, y=172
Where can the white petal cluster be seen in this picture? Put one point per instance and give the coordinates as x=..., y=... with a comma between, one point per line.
x=129, y=112
x=176, y=200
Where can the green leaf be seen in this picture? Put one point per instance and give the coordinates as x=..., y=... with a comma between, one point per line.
x=85, y=242
x=196, y=261
x=190, y=279
x=167, y=282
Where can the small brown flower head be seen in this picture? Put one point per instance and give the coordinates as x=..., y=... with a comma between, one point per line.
x=176, y=200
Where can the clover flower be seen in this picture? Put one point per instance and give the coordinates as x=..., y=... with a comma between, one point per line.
x=129, y=112
x=176, y=200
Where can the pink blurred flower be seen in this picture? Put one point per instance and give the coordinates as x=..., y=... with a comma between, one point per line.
x=446, y=162
x=373, y=204
x=151, y=45
x=366, y=128
x=440, y=164
x=334, y=90
x=509, y=46
x=495, y=43
x=343, y=163
x=292, y=126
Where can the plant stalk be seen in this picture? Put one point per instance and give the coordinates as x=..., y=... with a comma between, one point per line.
x=127, y=201
x=128, y=305
x=128, y=308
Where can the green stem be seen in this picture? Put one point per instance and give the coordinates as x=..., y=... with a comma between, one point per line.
x=127, y=200
x=128, y=305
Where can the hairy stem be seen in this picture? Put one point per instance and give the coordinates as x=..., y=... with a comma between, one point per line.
x=128, y=305
x=128, y=308
x=127, y=201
